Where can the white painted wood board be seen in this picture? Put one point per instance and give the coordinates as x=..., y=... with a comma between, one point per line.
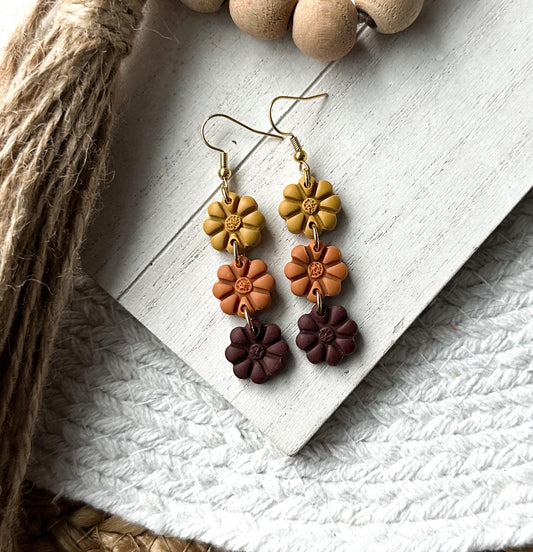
x=426, y=138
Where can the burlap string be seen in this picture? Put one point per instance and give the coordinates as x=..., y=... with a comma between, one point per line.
x=57, y=83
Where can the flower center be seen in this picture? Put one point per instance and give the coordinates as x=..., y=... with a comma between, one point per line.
x=310, y=205
x=232, y=223
x=243, y=285
x=256, y=351
x=315, y=269
x=326, y=335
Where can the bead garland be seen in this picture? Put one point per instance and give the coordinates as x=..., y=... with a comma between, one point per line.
x=321, y=29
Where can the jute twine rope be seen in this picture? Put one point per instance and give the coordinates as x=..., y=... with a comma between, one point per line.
x=57, y=94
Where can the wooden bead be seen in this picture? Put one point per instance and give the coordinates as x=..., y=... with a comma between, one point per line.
x=203, y=6
x=267, y=19
x=391, y=16
x=325, y=29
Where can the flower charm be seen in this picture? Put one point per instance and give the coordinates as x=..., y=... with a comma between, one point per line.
x=328, y=337
x=302, y=207
x=239, y=220
x=256, y=356
x=313, y=270
x=245, y=286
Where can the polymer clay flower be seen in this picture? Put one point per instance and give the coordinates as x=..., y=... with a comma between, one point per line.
x=302, y=207
x=245, y=286
x=328, y=337
x=312, y=270
x=237, y=220
x=256, y=356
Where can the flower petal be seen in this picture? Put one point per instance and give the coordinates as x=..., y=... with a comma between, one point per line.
x=308, y=226
x=316, y=286
x=258, y=374
x=249, y=237
x=254, y=219
x=306, y=322
x=331, y=203
x=216, y=210
x=238, y=337
x=300, y=286
x=222, y=290
x=246, y=205
x=346, y=345
x=331, y=286
x=333, y=355
x=297, y=223
x=234, y=236
x=347, y=328
x=234, y=200
x=307, y=191
x=293, y=191
x=316, y=353
x=212, y=226
x=234, y=354
x=326, y=220
x=294, y=270
x=304, y=340
x=272, y=365
x=289, y=207
x=256, y=268
x=220, y=240
x=280, y=348
x=225, y=273
x=324, y=189
x=265, y=282
x=230, y=304
x=259, y=300
x=339, y=271
x=271, y=334
x=242, y=369
x=300, y=253
x=337, y=314
x=332, y=255
x=245, y=302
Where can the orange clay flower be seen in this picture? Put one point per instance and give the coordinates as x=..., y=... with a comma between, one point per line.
x=313, y=270
x=245, y=286
x=302, y=207
x=239, y=220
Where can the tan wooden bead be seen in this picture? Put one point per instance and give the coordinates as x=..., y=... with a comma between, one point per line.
x=267, y=19
x=391, y=16
x=203, y=6
x=325, y=29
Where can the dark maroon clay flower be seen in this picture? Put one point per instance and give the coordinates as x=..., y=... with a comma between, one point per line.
x=256, y=356
x=328, y=337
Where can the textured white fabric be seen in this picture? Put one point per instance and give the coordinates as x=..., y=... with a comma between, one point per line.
x=433, y=451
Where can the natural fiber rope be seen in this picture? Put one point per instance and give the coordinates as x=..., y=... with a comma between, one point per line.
x=57, y=84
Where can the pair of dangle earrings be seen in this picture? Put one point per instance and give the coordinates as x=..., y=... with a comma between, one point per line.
x=315, y=271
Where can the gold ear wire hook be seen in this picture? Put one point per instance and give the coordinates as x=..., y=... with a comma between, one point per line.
x=296, y=98
x=224, y=172
x=299, y=154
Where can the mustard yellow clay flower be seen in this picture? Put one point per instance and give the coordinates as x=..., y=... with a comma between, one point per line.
x=302, y=207
x=237, y=220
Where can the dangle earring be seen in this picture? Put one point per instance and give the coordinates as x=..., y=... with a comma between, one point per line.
x=244, y=286
x=316, y=270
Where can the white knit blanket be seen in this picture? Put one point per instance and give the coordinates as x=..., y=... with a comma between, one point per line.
x=432, y=452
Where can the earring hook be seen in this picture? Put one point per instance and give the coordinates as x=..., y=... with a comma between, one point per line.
x=224, y=172
x=297, y=98
x=209, y=145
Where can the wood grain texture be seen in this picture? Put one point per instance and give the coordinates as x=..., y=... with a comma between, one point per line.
x=426, y=138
